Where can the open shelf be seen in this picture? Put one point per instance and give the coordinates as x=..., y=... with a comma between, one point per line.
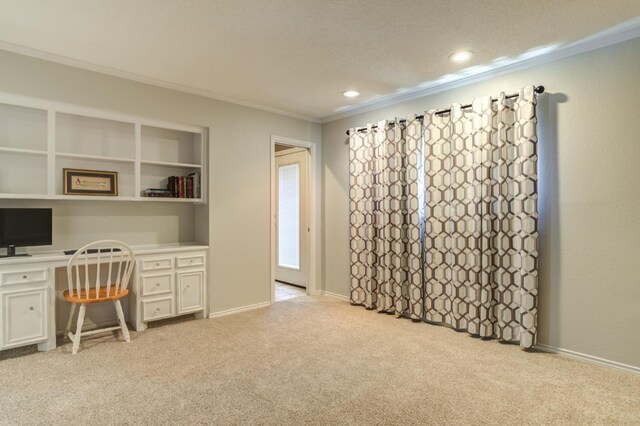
x=23, y=128
x=5, y=196
x=174, y=165
x=126, y=178
x=171, y=200
x=22, y=173
x=39, y=138
x=23, y=151
x=156, y=176
x=94, y=137
x=94, y=157
x=161, y=145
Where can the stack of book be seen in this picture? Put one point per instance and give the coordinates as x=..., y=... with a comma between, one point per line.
x=157, y=192
x=184, y=186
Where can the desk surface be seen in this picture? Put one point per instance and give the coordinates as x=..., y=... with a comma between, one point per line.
x=59, y=256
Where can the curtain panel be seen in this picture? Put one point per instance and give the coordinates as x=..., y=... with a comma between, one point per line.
x=386, y=249
x=481, y=233
x=469, y=179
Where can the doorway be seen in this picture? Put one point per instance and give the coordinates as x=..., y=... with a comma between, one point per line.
x=292, y=223
x=292, y=239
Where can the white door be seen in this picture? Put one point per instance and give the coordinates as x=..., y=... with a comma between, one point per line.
x=292, y=223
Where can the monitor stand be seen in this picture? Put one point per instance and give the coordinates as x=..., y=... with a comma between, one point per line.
x=11, y=252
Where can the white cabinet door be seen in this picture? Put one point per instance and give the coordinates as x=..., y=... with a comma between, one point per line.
x=190, y=291
x=24, y=317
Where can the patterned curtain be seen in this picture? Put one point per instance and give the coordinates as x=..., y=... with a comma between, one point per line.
x=481, y=253
x=385, y=194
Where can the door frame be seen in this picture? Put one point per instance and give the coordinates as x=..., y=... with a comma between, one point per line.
x=313, y=204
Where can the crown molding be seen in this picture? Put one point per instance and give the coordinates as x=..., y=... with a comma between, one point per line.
x=618, y=34
x=114, y=72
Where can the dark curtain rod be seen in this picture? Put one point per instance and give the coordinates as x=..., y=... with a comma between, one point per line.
x=538, y=90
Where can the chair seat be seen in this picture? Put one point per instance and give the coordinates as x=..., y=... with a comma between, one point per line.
x=103, y=295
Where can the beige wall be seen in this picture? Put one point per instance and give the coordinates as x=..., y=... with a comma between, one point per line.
x=589, y=196
x=238, y=211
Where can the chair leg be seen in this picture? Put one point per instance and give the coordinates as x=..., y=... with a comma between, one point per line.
x=71, y=314
x=123, y=324
x=78, y=335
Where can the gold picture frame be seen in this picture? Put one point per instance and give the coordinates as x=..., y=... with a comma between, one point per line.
x=90, y=182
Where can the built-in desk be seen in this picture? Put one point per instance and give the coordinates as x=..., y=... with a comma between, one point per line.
x=169, y=280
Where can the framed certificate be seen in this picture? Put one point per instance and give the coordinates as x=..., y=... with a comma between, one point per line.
x=90, y=182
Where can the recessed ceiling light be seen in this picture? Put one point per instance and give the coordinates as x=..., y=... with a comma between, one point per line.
x=461, y=56
x=350, y=93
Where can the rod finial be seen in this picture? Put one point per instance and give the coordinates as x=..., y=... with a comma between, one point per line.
x=539, y=89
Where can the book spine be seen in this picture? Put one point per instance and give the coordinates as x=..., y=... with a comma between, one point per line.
x=189, y=186
x=174, y=186
x=169, y=187
x=196, y=183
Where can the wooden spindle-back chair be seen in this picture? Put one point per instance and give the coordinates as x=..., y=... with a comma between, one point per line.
x=95, y=278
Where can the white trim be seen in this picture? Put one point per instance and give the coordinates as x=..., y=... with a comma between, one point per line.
x=334, y=295
x=238, y=310
x=588, y=358
x=289, y=151
x=618, y=34
x=314, y=213
x=102, y=69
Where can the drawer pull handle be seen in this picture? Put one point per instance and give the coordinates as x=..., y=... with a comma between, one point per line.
x=188, y=286
x=157, y=309
x=24, y=277
x=157, y=264
x=157, y=284
x=31, y=308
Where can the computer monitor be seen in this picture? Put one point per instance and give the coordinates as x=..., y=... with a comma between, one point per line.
x=24, y=227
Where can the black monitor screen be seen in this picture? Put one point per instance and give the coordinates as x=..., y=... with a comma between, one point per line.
x=25, y=227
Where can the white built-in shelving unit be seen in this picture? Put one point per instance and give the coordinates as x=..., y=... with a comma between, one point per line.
x=38, y=139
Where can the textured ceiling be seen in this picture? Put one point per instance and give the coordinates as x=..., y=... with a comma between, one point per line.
x=297, y=55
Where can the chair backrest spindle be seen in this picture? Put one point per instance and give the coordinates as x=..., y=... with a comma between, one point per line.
x=86, y=273
x=97, y=285
x=78, y=278
x=110, y=268
x=118, y=276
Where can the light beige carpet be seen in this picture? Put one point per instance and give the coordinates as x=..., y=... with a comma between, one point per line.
x=310, y=360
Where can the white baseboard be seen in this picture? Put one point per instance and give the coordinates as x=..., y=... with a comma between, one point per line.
x=238, y=310
x=334, y=295
x=588, y=358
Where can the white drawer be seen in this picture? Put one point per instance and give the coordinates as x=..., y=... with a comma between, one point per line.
x=156, y=264
x=190, y=260
x=157, y=309
x=24, y=277
x=156, y=284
